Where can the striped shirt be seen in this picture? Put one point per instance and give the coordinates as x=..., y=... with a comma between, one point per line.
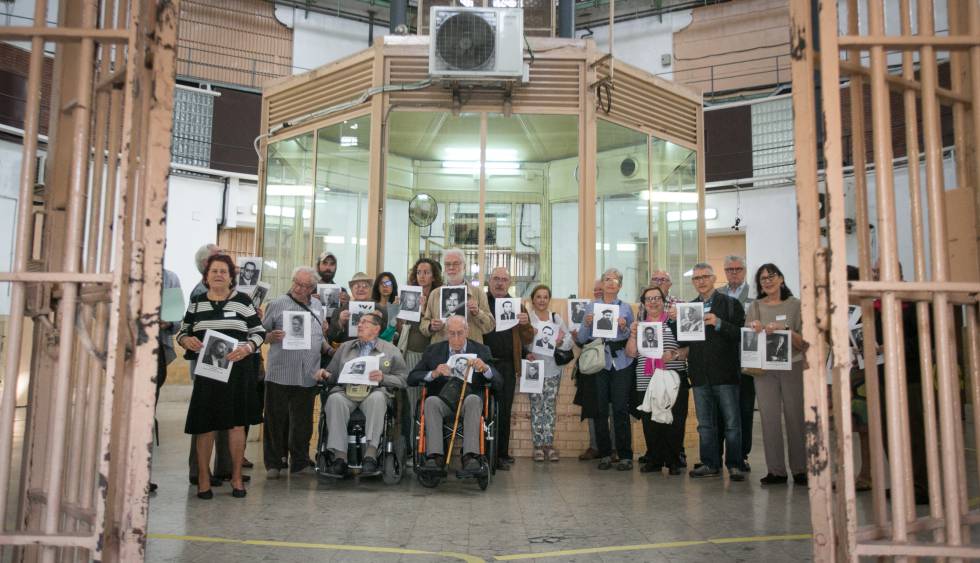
x=234, y=317
x=670, y=345
x=293, y=367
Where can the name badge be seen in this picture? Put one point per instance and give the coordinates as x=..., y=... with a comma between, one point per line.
x=229, y=314
x=780, y=317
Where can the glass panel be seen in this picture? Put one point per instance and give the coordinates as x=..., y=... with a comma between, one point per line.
x=343, y=159
x=288, y=209
x=675, y=209
x=622, y=206
x=531, y=161
x=433, y=187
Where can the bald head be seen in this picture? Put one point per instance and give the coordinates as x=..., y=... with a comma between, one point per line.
x=499, y=282
x=456, y=331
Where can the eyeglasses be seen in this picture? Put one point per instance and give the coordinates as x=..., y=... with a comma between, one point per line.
x=659, y=280
x=734, y=270
x=386, y=283
x=653, y=299
x=499, y=280
x=304, y=285
x=769, y=278
x=699, y=279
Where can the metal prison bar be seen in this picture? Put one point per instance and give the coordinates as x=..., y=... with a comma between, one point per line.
x=75, y=486
x=942, y=305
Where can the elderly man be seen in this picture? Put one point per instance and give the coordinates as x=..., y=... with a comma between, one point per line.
x=477, y=310
x=713, y=366
x=661, y=279
x=344, y=399
x=360, y=290
x=290, y=379
x=507, y=348
x=739, y=289
x=433, y=372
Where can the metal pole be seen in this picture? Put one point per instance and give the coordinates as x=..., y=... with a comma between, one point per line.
x=566, y=19
x=398, y=16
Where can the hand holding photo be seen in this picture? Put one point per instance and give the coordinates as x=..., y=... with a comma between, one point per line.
x=778, y=351
x=452, y=301
x=649, y=339
x=605, y=320
x=297, y=325
x=545, y=339
x=577, y=309
x=410, y=302
x=506, y=310
x=213, y=361
x=690, y=322
x=249, y=272
x=532, y=376
x=357, y=310
x=358, y=371
x=751, y=354
x=459, y=366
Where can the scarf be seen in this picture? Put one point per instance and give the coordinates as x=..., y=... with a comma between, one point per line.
x=651, y=364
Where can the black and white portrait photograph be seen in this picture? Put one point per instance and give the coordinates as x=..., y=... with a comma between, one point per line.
x=410, y=303
x=649, y=339
x=690, y=321
x=249, y=272
x=545, y=339
x=577, y=309
x=778, y=351
x=259, y=293
x=605, y=320
x=212, y=362
x=459, y=366
x=532, y=376
x=357, y=310
x=358, y=371
x=452, y=301
x=751, y=355
x=329, y=294
x=296, y=325
x=506, y=311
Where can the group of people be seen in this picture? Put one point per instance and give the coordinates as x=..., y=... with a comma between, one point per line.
x=412, y=355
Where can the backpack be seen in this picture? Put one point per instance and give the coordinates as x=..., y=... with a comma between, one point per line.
x=593, y=357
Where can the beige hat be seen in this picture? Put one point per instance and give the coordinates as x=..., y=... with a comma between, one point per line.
x=360, y=277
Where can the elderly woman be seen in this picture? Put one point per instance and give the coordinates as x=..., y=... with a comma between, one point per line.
x=614, y=382
x=217, y=405
x=780, y=393
x=663, y=441
x=543, y=406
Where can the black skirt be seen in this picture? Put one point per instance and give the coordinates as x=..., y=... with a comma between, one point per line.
x=221, y=406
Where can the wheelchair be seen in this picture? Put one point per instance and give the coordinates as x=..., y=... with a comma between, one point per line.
x=488, y=450
x=391, y=446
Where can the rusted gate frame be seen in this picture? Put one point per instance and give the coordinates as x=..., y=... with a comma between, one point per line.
x=87, y=496
x=895, y=530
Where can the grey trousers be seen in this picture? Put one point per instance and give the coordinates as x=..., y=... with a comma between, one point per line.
x=222, y=458
x=780, y=395
x=339, y=408
x=436, y=412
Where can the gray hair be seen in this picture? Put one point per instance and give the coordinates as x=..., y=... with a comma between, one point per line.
x=615, y=272
x=202, y=255
x=457, y=251
x=703, y=266
x=374, y=317
x=735, y=258
x=305, y=270
x=461, y=318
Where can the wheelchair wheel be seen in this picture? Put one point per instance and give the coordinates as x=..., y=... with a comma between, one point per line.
x=393, y=468
x=428, y=480
x=483, y=482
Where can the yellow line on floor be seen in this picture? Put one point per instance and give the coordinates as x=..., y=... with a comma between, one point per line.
x=326, y=546
x=475, y=559
x=647, y=546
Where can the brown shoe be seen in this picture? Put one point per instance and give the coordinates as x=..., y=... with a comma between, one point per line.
x=588, y=454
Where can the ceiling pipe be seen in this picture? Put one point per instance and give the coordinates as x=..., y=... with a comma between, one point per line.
x=398, y=16
x=566, y=18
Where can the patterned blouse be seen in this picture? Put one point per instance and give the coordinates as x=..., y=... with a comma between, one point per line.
x=234, y=317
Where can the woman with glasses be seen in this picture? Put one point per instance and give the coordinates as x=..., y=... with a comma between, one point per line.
x=663, y=441
x=780, y=393
x=384, y=293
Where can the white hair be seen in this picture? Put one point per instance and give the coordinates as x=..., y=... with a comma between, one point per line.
x=615, y=272
x=305, y=270
x=202, y=255
x=457, y=251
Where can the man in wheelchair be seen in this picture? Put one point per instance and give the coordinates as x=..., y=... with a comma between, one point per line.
x=443, y=394
x=343, y=399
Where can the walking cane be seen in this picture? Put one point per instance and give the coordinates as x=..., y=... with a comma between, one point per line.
x=459, y=407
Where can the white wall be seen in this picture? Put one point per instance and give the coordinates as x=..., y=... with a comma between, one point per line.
x=319, y=39
x=641, y=42
x=10, y=158
x=193, y=212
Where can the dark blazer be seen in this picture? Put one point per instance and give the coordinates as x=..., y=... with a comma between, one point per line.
x=438, y=353
x=716, y=360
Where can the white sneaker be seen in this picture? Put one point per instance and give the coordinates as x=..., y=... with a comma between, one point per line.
x=272, y=474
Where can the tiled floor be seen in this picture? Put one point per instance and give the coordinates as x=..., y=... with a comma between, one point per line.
x=533, y=509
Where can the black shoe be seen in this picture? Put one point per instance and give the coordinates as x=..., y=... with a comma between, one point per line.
x=205, y=495
x=369, y=467
x=238, y=493
x=433, y=464
x=471, y=467
x=337, y=468
x=605, y=463
x=644, y=459
x=698, y=465
x=800, y=478
x=247, y=464
x=507, y=459
x=746, y=468
x=502, y=465
x=702, y=471
x=771, y=479
x=153, y=487
x=215, y=481
x=651, y=467
x=674, y=470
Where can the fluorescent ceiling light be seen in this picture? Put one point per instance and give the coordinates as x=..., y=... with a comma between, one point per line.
x=297, y=190
x=625, y=247
x=346, y=141
x=471, y=153
x=333, y=239
x=710, y=213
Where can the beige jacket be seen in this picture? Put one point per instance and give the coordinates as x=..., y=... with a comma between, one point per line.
x=479, y=324
x=392, y=365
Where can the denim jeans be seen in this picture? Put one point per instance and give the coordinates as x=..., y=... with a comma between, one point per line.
x=709, y=401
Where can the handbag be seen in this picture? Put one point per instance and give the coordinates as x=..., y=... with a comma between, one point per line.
x=563, y=357
x=593, y=357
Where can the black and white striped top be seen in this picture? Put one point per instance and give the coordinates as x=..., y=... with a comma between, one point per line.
x=670, y=345
x=235, y=317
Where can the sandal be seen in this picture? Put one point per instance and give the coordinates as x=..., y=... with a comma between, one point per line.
x=538, y=454
x=553, y=454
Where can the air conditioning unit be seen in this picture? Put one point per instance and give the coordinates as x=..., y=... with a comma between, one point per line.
x=476, y=43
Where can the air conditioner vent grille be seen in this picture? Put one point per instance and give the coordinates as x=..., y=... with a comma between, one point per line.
x=466, y=41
